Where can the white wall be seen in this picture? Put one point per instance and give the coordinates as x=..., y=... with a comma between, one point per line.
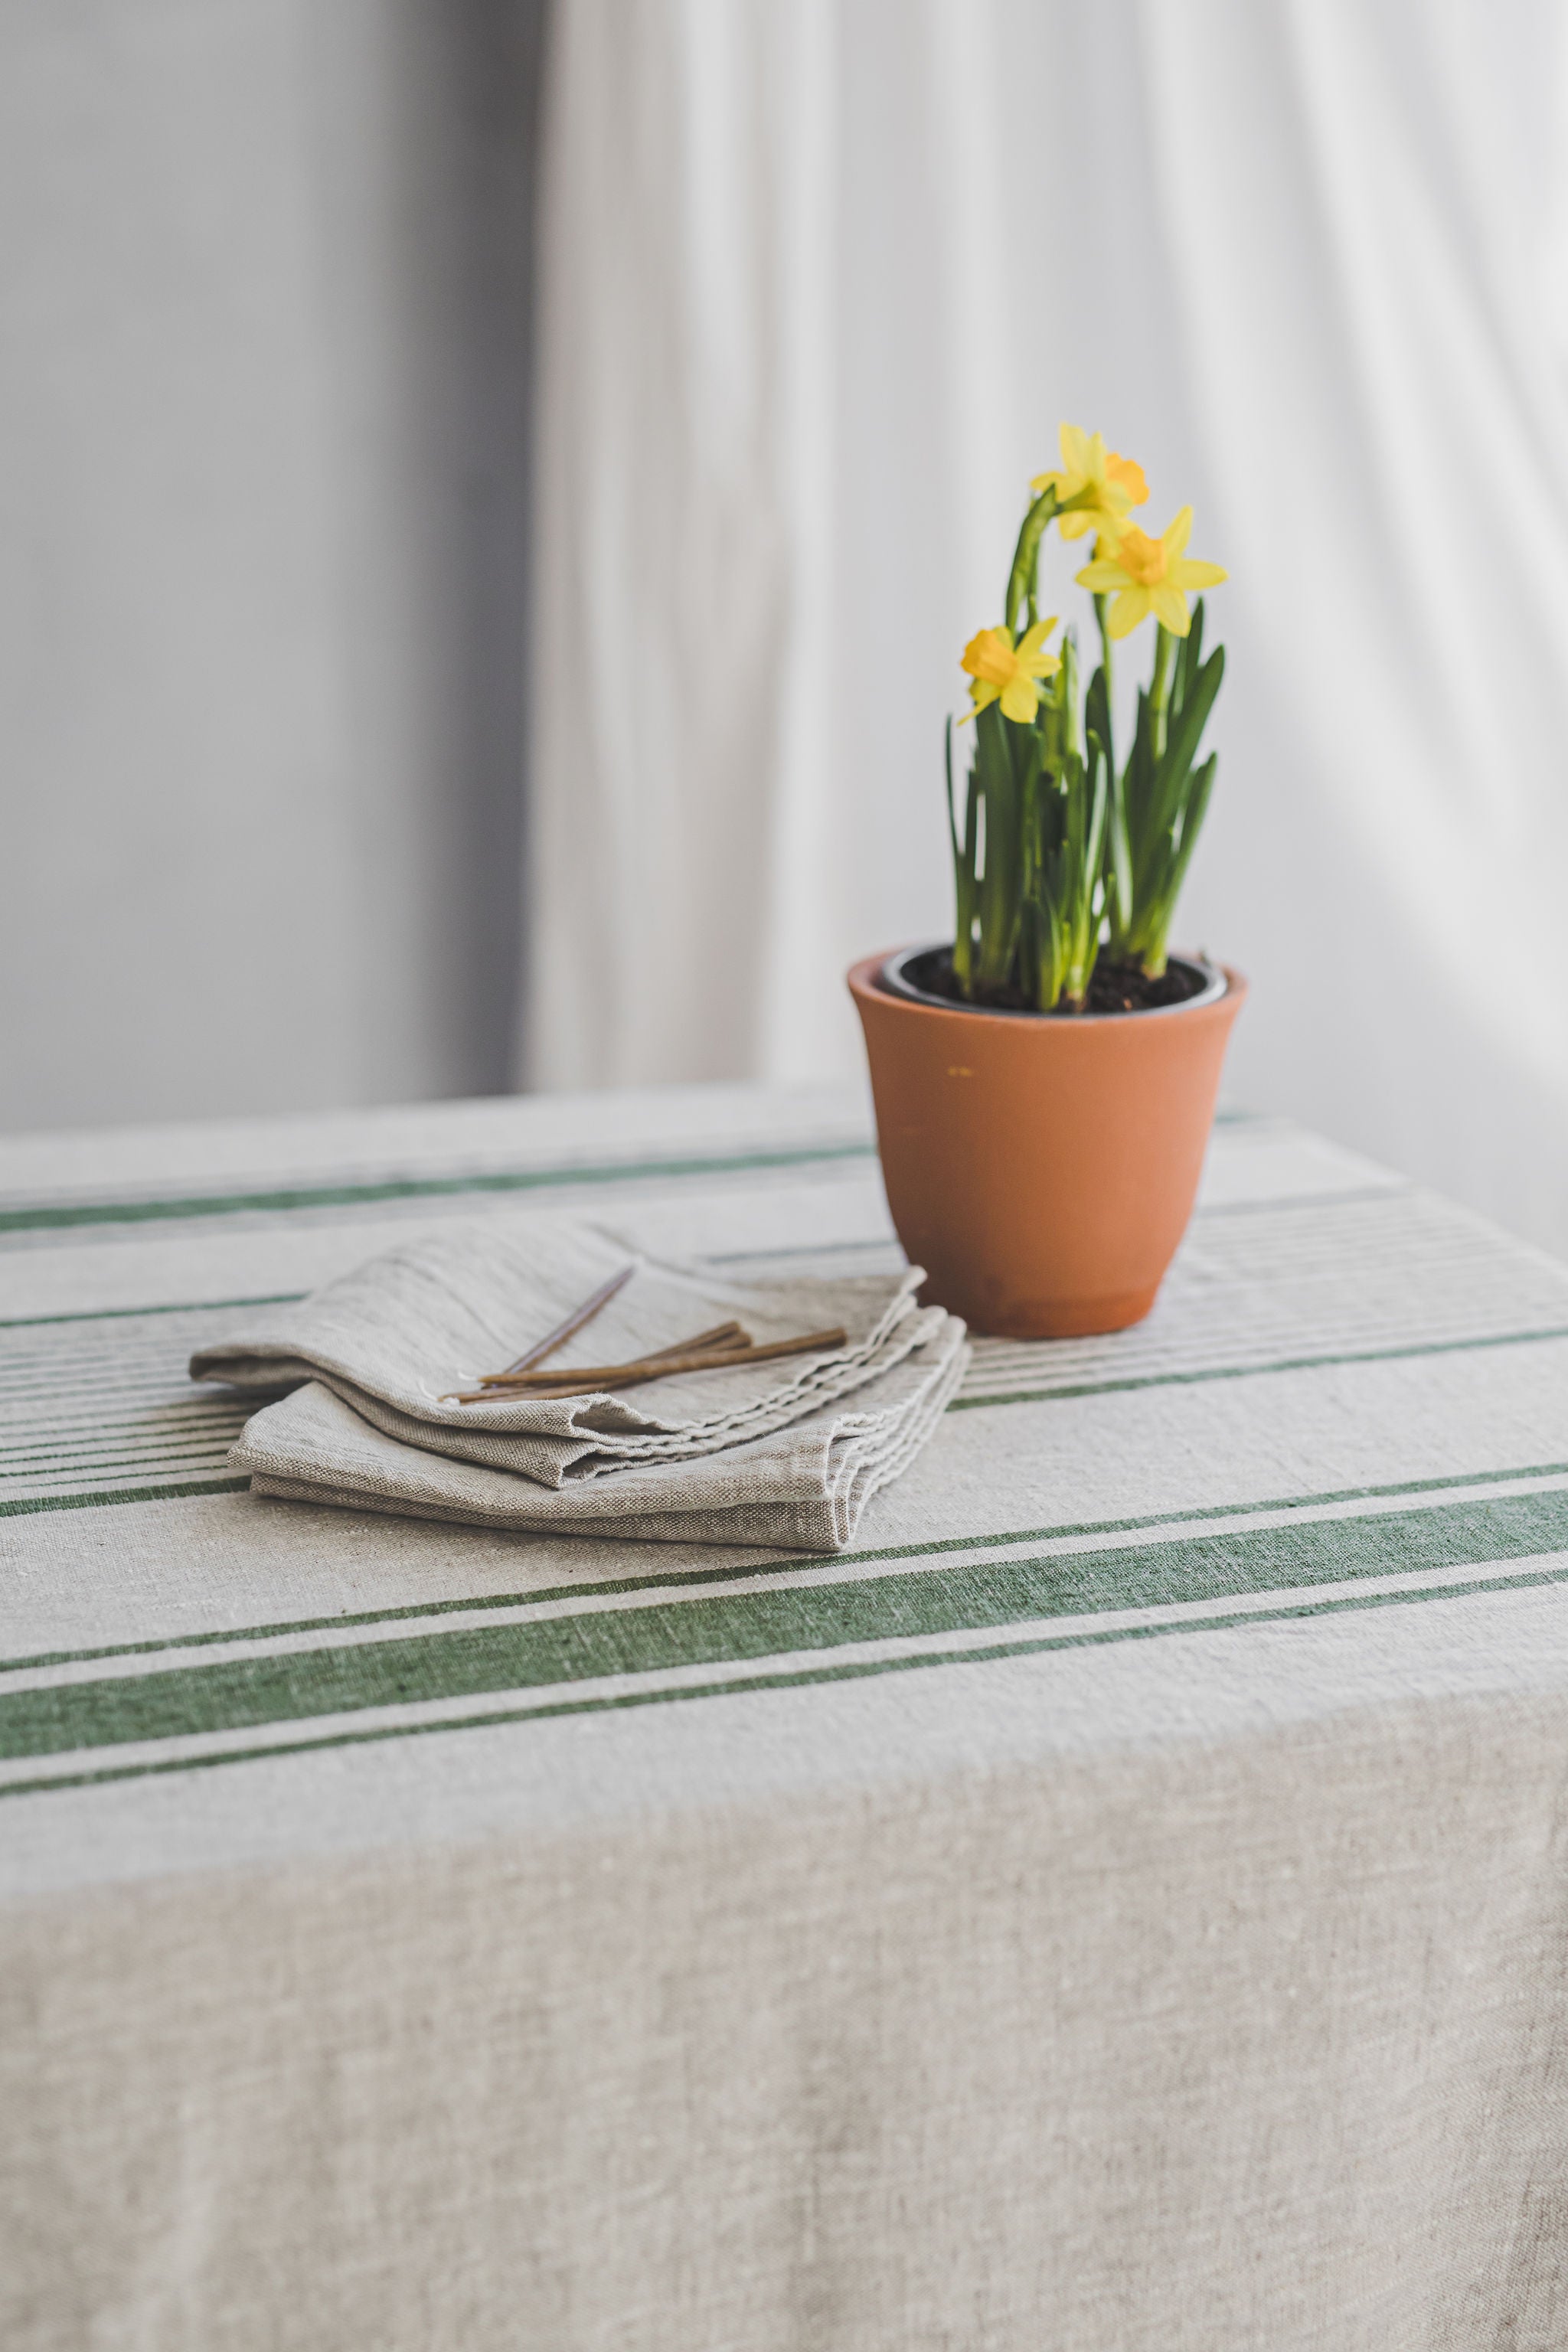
x=263, y=293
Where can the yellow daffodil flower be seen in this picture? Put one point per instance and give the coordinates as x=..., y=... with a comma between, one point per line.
x=1009, y=674
x=1095, y=487
x=1150, y=575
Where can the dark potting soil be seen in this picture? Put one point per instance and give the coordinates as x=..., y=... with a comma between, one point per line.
x=1114, y=988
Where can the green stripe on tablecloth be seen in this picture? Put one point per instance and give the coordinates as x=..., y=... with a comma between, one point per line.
x=44, y=1484
x=409, y=1612
x=734, y=1628
x=175, y=1307
x=794, y=1678
x=175, y=1491
x=73, y=1440
x=1245, y=1371
x=98, y=1497
x=183, y=1461
x=61, y=1458
x=1395, y=1191
x=51, y=1217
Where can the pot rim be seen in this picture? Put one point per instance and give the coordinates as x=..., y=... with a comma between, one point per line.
x=888, y=976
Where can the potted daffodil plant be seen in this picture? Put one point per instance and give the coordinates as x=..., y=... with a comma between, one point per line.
x=1044, y=1081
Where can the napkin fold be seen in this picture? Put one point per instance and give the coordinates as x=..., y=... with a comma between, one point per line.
x=783, y=1453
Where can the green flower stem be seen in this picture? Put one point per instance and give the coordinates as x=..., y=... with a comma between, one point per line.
x=1067, y=696
x=1026, y=559
x=1159, y=687
x=1102, y=606
x=963, y=851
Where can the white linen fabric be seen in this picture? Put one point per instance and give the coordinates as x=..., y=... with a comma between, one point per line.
x=411, y=1331
x=787, y=1451
x=1117, y=1902
x=820, y=282
x=801, y=1488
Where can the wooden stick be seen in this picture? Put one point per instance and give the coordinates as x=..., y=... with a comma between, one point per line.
x=724, y=1336
x=659, y=1367
x=573, y=1323
x=731, y=1336
x=706, y=1359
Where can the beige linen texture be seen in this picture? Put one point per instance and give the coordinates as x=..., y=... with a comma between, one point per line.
x=1184, y=1988
x=923, y=2069
x=784, y=1453
x=800, y=1488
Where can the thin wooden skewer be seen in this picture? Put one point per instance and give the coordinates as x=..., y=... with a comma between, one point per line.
x=668, y=1360
x=726, y=1337
x=573, y=1323
x=659, y=1367
x=721, y=1335
x=731, y=1336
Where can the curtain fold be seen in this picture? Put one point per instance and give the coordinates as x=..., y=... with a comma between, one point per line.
x=822, y=280
x=681, y=650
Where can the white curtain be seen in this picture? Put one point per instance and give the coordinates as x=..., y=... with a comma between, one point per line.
x=822, y=277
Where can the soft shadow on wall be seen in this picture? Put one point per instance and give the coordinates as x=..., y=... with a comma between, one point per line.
x=264, y=285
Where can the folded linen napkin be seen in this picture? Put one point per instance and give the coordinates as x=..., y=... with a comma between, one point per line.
x=767, y=1453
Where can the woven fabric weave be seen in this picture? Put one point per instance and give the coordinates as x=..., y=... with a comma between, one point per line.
x=784, y=1453
x=1116, y=1902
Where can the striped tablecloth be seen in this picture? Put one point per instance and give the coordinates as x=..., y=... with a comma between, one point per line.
x=1119, y=1905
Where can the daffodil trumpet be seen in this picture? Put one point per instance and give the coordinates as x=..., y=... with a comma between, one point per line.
x=1095, y=487
x=1009, y=674
x=1060, y=856
x=1148, y=575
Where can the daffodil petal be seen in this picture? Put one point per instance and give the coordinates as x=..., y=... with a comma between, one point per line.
x=1020, y=699
x=1073, y=526
x=1176, y=533
x=1074, y=448
x=1190, y=573
x=1030, y=644
x=1131, y=608
x=989, y=654
x=1171, y=609
x=1102, y=576
x=1047, y=482
x=1128, y=475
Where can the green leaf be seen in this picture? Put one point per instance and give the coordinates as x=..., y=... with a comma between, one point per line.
x=1197, y=808
x=1139, y=777
x=1163, y=827
x=1097, y=711
x=1067, y=694
x=951, y=814
x=1099, y=771
x=999, y=890
x=1191, y=656
x=1118, y=859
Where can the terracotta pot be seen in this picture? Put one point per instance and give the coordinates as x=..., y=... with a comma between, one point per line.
x=1042, y=1168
